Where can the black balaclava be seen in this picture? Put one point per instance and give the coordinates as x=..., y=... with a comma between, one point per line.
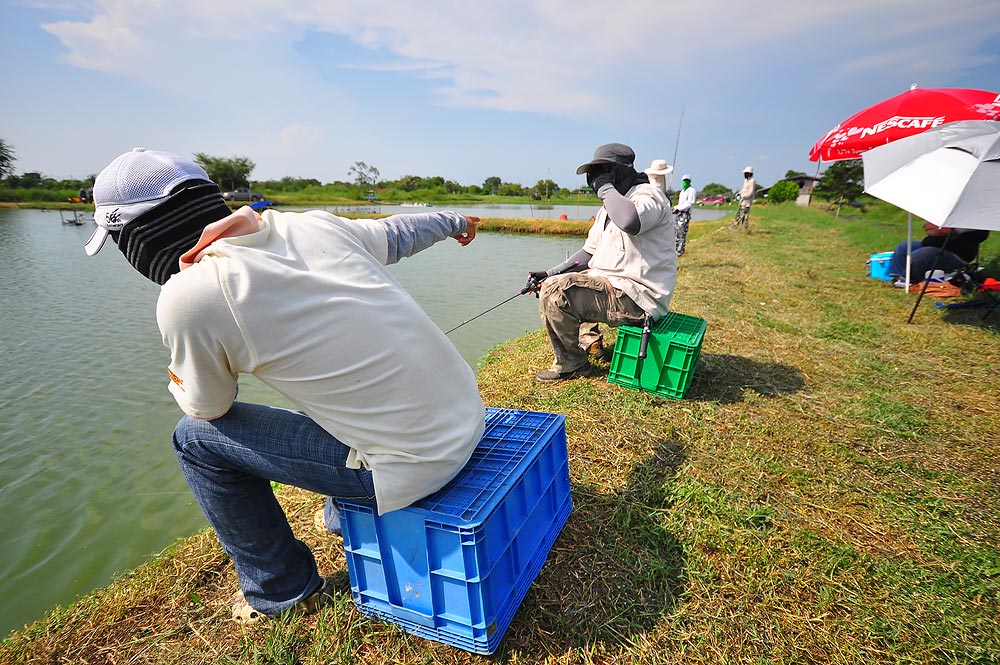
x=154, y=241
x=625, y=178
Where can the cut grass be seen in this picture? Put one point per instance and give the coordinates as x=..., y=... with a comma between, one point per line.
x=826, y=492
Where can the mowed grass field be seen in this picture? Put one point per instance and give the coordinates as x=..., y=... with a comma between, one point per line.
x=827, y=491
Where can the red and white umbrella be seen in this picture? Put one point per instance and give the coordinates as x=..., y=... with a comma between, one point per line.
x=911, y=112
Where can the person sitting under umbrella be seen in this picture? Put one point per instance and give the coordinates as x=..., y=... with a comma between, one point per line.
x=961, y=249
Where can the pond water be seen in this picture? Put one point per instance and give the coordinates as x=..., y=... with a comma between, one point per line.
x=89, y=486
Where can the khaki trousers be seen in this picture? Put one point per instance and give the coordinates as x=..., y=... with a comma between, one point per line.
x=570, y=304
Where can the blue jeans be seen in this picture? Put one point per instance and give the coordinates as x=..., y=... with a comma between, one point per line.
x=921, y=261
x=229, y=463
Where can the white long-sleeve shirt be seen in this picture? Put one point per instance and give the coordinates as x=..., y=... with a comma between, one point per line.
x=307, y=305
x=747, y=191
x=685, y=200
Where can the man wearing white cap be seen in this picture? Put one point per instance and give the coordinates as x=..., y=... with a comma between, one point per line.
x=625, y=271
x=747, y=192
x=682, y=212
x=389, y=411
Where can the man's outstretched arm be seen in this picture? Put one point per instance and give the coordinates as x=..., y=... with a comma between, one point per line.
x=409, y=234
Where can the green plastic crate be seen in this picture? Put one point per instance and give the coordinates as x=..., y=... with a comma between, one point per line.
x=671, y=355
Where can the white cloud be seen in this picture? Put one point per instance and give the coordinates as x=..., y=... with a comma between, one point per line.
x=543, y=78
x=556, y=56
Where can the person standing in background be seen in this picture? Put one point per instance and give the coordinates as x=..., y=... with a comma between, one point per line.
x=682, y=212
x=746, y=200
x=657, y=172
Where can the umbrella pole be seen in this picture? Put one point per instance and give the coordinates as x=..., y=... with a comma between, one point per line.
x=909, y=249
x=923, y=290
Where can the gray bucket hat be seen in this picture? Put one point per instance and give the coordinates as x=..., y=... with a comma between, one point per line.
x=610, y=153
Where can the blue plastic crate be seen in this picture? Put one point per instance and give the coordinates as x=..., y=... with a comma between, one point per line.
x=878, y=265
x=455, y=566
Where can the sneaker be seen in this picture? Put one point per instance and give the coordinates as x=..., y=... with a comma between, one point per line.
x=552, y=376
x=244, y=613
x=327, y=518
x=899, y=282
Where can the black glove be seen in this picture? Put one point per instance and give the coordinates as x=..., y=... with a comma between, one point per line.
x=534, y=283
x=597, y=180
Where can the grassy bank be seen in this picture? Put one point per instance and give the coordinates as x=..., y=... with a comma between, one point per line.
x=826, y=492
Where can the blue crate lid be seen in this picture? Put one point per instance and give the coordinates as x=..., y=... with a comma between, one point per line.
x=509, y=444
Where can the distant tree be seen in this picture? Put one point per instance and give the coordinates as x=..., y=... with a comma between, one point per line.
x=287, y=184
x=31, y=180
x=783, y=191
x=715, y=189
x=6, y=159
x=546, y=188
x=843, y=180
x=226, y=172
x=512, y=189
x=364, y=175
x=492, y=184
x=792, y=174
x=408, y=183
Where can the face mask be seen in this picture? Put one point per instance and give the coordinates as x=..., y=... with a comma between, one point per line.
x=626, y=177
x=154, y=241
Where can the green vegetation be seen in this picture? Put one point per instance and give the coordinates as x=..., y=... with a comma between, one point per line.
x=227, y=172
x=783, y=191
x=715, y=189
x=232, y=172
x=842, y=181
x=6, y=159
x=826, y=491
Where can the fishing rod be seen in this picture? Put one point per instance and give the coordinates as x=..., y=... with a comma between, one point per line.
x=531, y=286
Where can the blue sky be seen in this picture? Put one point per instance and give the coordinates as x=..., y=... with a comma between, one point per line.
x=467, y=90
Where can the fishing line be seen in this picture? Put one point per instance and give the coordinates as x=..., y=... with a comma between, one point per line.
x=519, y=293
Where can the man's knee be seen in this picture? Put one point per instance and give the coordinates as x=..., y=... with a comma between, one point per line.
x=187, y=431
x=552, y=293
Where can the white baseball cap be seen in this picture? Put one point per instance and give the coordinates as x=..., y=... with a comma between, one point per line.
x=748, y=169
x=132, y=184
x=685, y=177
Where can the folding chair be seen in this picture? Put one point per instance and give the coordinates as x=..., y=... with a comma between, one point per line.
x=977, y=284
x=991, y=289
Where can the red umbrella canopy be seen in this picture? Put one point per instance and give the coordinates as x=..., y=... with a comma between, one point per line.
x=911, y=112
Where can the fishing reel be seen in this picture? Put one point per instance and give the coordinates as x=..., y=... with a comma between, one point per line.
x=533, y=285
